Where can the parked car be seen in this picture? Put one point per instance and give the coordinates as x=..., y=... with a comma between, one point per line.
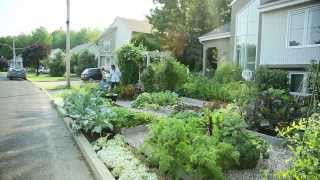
x=91, y=74
x=16, y=72
x=43, y=70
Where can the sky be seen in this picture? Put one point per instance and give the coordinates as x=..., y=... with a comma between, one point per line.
x=23, y=16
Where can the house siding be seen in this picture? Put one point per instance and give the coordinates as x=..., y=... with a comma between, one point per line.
x=274, y=50
x=110, y=36
x=223, y=46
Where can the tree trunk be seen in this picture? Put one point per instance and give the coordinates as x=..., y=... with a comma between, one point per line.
x=37, y=68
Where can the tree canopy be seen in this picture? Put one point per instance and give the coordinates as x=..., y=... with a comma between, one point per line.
x=55, y=39
x=179, y=23
x=33, y=54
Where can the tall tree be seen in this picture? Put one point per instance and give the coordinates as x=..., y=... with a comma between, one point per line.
x=6, y=51
x=58, y=39
x=33, y=54
x=42, y=36
x=179, y=23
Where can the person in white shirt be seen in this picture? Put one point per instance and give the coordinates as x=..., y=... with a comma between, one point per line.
x=115, y=76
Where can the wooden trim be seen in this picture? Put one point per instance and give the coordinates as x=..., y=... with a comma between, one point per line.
x=214, y=36
x=286, y=66
x=280, y=4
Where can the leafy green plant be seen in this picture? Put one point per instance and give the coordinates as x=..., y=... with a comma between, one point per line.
x=227, y=72
x=89, y=111
x=270, y=109
x=168, y=74
x=155, y=100
x=84, y=60
x=202, y=148
x=305, y=144
x=130, y=58
x=57, y=65
x=204, y=88
x=266, y=78
x=127, y=118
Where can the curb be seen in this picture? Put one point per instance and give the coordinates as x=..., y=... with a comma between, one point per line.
x=99, y=170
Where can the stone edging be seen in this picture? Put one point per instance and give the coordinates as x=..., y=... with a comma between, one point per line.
x=99, y=170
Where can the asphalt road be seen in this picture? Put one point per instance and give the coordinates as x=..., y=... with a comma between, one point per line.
x=34, y=141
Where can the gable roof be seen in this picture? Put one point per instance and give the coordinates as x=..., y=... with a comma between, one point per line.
x=267, y=1
x=217, y=33
x=264, y=2
x=134, y=25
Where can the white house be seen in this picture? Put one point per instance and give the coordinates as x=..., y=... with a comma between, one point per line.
x=118, y=34
x=90, y=47
x=280, y=34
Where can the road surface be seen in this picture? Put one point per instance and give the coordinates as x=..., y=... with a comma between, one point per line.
x=34, y=141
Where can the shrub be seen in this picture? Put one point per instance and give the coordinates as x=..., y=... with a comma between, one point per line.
x=227, y=73
x=165, y=75
x=184, y=147
x=3, y=64
x=130, y=57
x=173, y=75
x=266, y=78
x=149, y=79
x=201, y=87
x=57, y=65
x=155, y=100
x=271, y=108
x=126, y=91
x=85, y=60
x=304, y=138
x=149, y=41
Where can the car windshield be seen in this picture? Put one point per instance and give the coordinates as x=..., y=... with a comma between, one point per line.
x=17, y=65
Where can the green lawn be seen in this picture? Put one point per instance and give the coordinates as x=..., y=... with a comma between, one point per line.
x=43, y=78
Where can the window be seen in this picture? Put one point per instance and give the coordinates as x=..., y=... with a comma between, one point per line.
x=247, y=36
x=314, y=26
x=304, y=27
x=298, y=82
x=107, y=46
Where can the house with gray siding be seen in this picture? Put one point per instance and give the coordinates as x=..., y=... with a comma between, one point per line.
x=116, y=35
x=280, y=34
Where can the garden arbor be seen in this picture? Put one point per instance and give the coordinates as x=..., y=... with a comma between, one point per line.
x=152, y=56
x=156, y=55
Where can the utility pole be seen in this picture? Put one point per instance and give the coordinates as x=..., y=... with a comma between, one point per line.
x=68, y=45
x=14, y=53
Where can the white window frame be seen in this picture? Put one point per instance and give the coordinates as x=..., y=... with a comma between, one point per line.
x=305, y=83
x=236, y=32
x=107, y=46
x=304, y=44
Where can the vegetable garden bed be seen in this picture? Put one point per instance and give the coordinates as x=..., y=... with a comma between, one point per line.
x=216, y=141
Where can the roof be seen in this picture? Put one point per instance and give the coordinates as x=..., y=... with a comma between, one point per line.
x=90, y=47
x=263, y=2
x=219, y=30
x=134, y=25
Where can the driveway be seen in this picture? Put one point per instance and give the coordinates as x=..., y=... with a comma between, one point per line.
x=34, y=141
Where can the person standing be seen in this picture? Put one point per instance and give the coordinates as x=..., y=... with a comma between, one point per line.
x=115, y=76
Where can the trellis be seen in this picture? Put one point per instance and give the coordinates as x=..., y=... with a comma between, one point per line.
x=150, y=57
